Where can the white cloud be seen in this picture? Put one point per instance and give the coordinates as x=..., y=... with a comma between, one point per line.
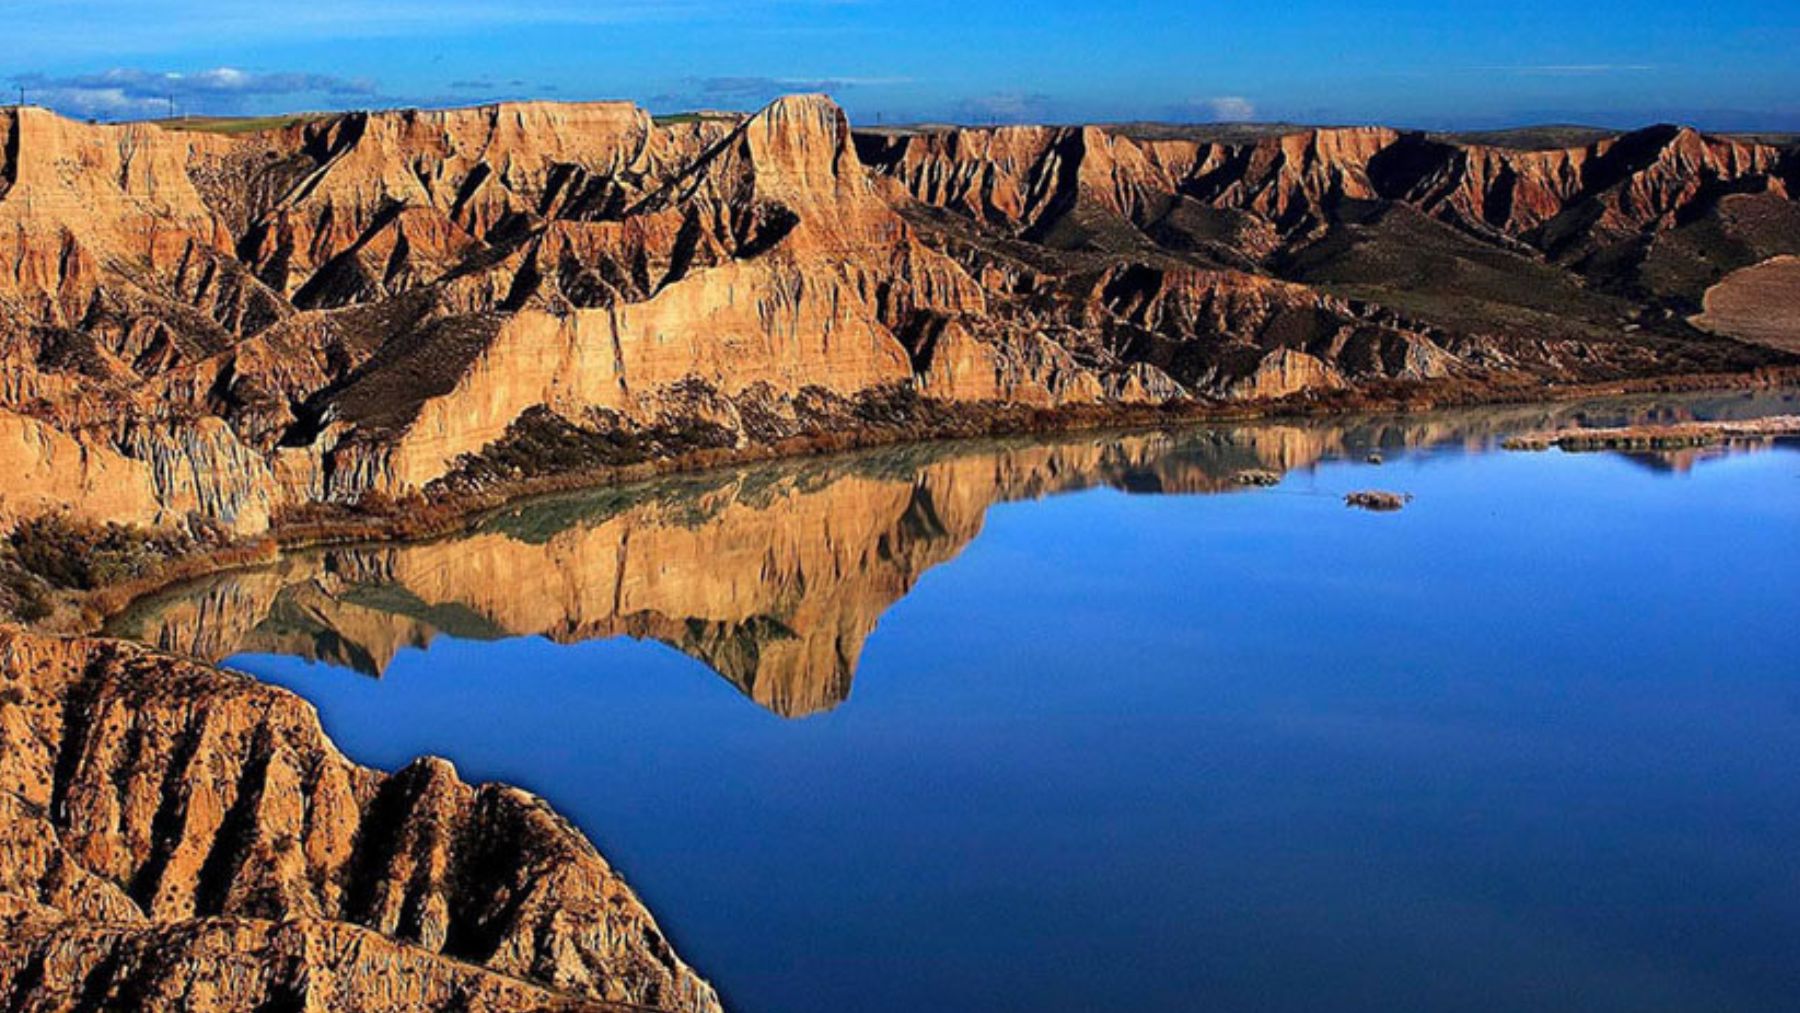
x=134, y=91
x=1218, y=109
x=1005, y=107
x=1234, y=108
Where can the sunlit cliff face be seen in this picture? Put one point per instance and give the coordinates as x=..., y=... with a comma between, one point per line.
x=772, y=576
x=373, y=304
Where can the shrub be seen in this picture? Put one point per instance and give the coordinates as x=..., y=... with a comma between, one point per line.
x=22, y=596
x=81, y=556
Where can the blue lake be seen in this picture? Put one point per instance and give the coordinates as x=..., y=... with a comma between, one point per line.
x=1089, y=723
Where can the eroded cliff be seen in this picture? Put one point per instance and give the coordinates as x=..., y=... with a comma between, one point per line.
x=373, y=305
x=176, y=837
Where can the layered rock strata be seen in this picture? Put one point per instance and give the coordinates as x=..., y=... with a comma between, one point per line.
x=366, y=305
x=177, y=837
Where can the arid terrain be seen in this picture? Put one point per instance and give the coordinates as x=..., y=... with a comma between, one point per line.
x=176, y=837
x=1760, y=303
x=217, y=332
x=236, y=325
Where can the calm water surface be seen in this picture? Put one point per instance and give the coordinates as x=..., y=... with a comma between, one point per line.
x=1086, y=724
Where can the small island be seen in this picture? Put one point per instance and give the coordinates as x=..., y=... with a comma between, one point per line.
x=1669, y=436
x=1378, y=500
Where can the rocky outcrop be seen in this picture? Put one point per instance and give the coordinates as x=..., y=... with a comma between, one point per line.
x=1031, y=179
x=1403, y=257
x=354, y=306
x=145, y=473
x=50, y=470
x=796, y=277
x=228, y=965
x=176, y=837
x=113, y=258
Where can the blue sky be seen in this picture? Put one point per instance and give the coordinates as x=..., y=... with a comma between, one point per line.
x=1724, y=65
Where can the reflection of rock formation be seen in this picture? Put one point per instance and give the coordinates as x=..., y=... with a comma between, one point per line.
x=1680, y=462
x=772, y=576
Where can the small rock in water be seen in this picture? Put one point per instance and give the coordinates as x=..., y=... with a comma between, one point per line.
x=1377, y=499
x=1256, y=476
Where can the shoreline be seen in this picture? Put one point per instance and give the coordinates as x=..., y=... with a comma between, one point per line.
x=85, y=613
x=174, y=680
x=1671, y=436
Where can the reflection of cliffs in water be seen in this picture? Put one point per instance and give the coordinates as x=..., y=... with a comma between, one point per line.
x=772, y=576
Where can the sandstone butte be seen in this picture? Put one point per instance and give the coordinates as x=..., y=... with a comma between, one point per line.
x=366, y=307
x=359, y=309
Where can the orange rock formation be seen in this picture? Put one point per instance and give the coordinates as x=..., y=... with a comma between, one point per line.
x=231, y=327
x=175, y=837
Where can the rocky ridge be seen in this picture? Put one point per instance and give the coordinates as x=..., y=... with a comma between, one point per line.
x=173, y=836
x=366, y=305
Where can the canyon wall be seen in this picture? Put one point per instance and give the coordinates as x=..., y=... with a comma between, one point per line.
x=233, y=327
